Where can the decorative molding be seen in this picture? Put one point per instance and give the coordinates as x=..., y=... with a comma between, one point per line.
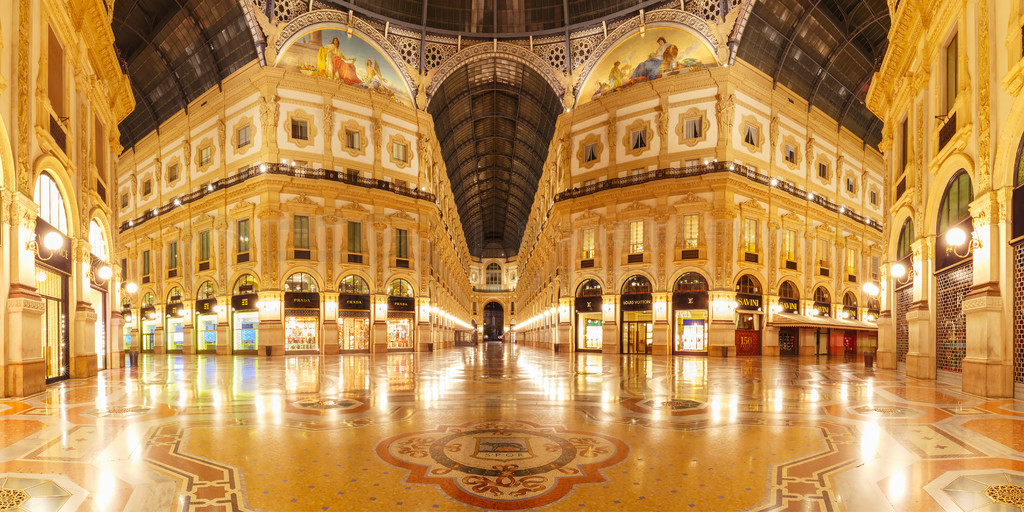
x=500, y=50
x=398, y=138
x=758, y=127
x=353, y=126
x=705, y=125
x=593, y=138
x=637, y=125
x=242, y=123
x=311, y=131
x=204, y=144
x=789, y=140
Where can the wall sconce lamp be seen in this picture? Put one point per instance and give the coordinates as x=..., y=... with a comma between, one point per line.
x=871, y=289
x=956, y=237
x=53, y=242
x=902, y=274
x=131, y=287
x=103, y=274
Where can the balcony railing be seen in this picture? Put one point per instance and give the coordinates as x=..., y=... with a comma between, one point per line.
x=257, y=170
x=715, y=168
x=492, y=288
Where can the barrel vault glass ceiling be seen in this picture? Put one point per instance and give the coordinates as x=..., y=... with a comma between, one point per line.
x=494, y=118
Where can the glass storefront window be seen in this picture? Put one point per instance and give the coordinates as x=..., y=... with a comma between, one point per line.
x=300, y=332
x=399, y=333
x=207, y=332
x=148, y=330
x=591, y=330
x=691, y=330
x=354, y=333
x=175, y=333
x=247, y=330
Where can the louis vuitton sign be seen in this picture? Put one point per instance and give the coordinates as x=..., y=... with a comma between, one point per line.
x=690, y=300
x=636, y=302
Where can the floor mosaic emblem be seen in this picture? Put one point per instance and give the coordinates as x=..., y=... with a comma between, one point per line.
x=25, y=493
x=503, y=465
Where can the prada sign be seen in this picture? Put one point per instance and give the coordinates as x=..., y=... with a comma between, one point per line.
x=748, y=302
x=690, y=300
x=205, y=306
x=301, y=300
x=790, y=305
x=588, y=304
x=245, y=302
x=636, y=302
x=352, y=302
x=401, y=304
x=825, y=309
x=174, y=309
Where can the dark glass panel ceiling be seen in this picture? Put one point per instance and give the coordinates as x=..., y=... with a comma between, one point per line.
x=494, y=119
x=823, y=50
x=175, y=50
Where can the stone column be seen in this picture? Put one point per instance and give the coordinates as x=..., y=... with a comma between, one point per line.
x=563, y=336
x=885, y=354
x=26, y=371
x=610, y=342
x=422, y=341
x=188, y=346
x=921, y=353
x=661, y=345
x=379, y=328
x=115, y=341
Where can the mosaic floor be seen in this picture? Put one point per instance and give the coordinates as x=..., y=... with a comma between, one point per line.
x=508, y=428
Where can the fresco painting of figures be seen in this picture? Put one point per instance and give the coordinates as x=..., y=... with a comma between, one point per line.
x=332, y=53
x=661, y=51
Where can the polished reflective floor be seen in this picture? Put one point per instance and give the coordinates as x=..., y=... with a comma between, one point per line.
x=508, y=428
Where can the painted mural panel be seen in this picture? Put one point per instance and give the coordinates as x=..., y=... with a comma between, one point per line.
x=661, y=51
x=351, y=59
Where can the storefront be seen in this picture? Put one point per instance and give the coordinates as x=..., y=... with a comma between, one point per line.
x=148, y=322
x=690, y=315
x=637, y=305
x=589, y=321
x=401, y=315
x=175, y=327
x=245, y=316
x=353, y=315
x=53, y=266
x=129, y=325
x=99, y=281
x=301, y=322
x=822, y=307
x=789, y=303
x=206, y=326
x=749, y=315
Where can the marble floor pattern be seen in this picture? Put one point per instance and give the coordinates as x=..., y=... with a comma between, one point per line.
x=504, y=427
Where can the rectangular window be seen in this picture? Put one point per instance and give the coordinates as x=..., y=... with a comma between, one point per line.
x=55, y=74
x=850, y=187
x=874, y=197
x=124, y=270
x=352, y=174
x=204, y=246
x=789, y=245
x=875, y=263
x=790, y=154
x=904, y=145
x=124, y=200
x=636, y=172
x=692, y=163
x=401, y=243
x=823, y=252
x=587, y=183
x=851, y=262
x=147, y=187
x=952, y=73
x=636, y=237
x=145, y=263
x=243, y=236
x=750, y=235
x=398, y=152
x=355, y=237
x=352, y=139
x=590, y=152
x=205, y=155
x=691, y=230
x=172, y=173
x=750, y=136
x=301, y=232
x=638, y=139
x=300, y=130
x=243, y=136
x=588, y=243
x=100, y=147
x=172, y=255
x=693, y=128
x=823, y=170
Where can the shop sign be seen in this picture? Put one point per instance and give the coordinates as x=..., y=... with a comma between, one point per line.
x=588, y=304
x=59, y=259
x=301, y=300
x=353, y=302
x=873, y=312
x=245, y=302
x=790, y=305
x=825, y=309
x=145, y=312
x=401, y=304
x=205, y=306
x=852, y=312
x=748, y=302
x=690, y=300
x=637, y=302
x=174, y=309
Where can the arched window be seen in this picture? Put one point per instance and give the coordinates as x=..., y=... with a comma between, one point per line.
x=400, y=288
x=1019, y=177
x=691, y=282
x=174, y=295
x=246, y=284
x=955, y=201
x=748, y=285
x=788, y=291
x=51, y=203
x=850, y=300
x=822, y=295
x=589, y=288
x=494, y=274
x=906, y=238
x=207, y=291
x=637, y=284
x=300, y=282
x=353, y=285
x=148, y=300
x=97, y=241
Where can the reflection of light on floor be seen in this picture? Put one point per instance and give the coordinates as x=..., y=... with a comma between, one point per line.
x=897, y=485
x=716, y=409
x=105, y=490
x=869, y=440
x=844, y=392
x=734, y=408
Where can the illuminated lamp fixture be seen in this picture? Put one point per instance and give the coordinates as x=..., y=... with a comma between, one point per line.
x=131, y=287
x=101, y=274
x=810, y=196
x=871, y=318
x=842, y=209
x=156, y=212
x=902, y=273
x=131, y=223
x=52, y=242
x=209, y=188
x=956, y=238
x=263, y=167
x=774, y=182
x=177, y=201
x=871, y=289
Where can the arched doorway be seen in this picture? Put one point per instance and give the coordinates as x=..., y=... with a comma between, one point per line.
x=206, y=319
x=789, y=301
x=690, y=314
x=822, y=307
x=401, y=315
x=494, y=322
x=748, y=316
x=245, y=316
x=53, y=270
x=636, y=303
x=353, y=315
x=174, y=322
x=589, y=320
x=954, y=275
x=99, y=285
x=301, y=314
x=849, y=312
x=903, y=295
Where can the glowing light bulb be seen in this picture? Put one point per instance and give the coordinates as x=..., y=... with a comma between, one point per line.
x=53, y=241
x=105, y=272
x=131, y=287
x=956, y=237
x=898, y=270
